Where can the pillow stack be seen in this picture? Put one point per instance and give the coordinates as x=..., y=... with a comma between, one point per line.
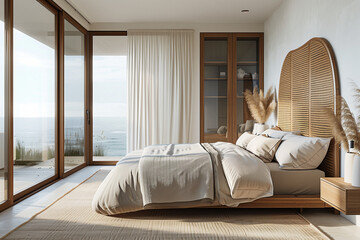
x=291, y=150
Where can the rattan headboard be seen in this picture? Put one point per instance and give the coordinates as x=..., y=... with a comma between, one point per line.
x=308, y=84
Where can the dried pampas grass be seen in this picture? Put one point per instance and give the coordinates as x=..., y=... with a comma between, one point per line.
x=336, y=124
x=349, y=124
x=260, y=106
x=357, y=99
x=344, y=124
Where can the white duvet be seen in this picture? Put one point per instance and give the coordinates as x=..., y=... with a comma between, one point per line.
x=175, y=173
x=183, y=175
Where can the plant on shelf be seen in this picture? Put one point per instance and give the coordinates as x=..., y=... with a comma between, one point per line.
x=346, y=131
x=261, y=106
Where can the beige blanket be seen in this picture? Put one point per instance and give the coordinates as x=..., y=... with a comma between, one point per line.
x=237, y=177
x=175, y=173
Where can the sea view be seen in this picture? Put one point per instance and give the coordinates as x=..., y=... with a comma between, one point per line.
x=109, y=133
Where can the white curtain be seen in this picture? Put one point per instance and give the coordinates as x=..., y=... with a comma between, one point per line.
x=160, y=74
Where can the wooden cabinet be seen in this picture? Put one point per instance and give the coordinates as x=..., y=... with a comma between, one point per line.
x=340, y=195
x=230, y=63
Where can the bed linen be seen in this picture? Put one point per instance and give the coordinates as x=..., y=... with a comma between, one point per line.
x=193, y=179
x=238, y=176
x=296, y=181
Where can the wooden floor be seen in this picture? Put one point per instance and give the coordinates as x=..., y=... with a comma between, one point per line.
x=335, y=226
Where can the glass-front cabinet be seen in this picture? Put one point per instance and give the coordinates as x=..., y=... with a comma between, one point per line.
x=230, y=64
x=215, y=87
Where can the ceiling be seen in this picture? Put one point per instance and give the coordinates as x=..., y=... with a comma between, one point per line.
x=175, y=11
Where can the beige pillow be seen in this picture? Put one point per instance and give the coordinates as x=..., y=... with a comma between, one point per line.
x=244, y=139
x=264, y=147
x=299, y=152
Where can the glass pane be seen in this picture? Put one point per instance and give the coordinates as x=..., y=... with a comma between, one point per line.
x=109, y=97
x=34, y=94
x=3, y=180
x=215, y=90
x=247, y=77
x=74, y=90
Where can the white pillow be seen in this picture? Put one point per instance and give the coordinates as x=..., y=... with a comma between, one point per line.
x=264, y=147
x=278, y=134
x=299, y=152
x=244, y=139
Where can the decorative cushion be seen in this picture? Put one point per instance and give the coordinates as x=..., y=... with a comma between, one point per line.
x=264, y=147
x=244, y=139
x=299, y=152
x=276, y=128
x=278, y=134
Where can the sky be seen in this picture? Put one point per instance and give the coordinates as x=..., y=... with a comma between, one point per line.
x=34, y=81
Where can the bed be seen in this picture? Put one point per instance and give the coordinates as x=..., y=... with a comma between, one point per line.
x=308, y=83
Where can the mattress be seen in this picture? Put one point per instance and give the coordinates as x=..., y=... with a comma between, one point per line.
x=305, y=182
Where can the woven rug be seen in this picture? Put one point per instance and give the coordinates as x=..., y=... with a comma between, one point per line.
x=71, y=217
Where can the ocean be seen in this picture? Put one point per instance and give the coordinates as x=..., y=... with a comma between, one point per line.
x=109, y=133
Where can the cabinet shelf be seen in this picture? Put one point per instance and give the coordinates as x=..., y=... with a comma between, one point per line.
x=225, y=62
x=247, y=80
x=214, y=97
x=215, y=62
x=247, y=62
x=215, y=79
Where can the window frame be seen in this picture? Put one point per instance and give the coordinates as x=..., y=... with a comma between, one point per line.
x=64, y=16
x=91, y=45
x=26, y=192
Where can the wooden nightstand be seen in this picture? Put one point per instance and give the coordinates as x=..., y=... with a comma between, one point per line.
x=340, y=195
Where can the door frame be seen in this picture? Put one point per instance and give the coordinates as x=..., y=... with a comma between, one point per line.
x=64, y=16
x=90, y=95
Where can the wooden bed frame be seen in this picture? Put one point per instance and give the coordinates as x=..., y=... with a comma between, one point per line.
x=308, y=84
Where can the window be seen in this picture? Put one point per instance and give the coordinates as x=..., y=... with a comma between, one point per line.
x=34, y=103
x=46, y=111
x=74, y=96
x=3, y=165
x=109, y=97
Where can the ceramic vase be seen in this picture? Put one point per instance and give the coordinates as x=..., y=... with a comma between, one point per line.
x=356, y=171
x=348, y=166
x=259, y=128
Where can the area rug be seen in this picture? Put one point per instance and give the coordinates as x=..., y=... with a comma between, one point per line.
x=71, y=217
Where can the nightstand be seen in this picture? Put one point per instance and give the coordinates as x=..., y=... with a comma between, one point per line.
x=340, y=195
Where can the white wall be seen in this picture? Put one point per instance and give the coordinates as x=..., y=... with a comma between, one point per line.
x=295, y=22
x=73, y=13
x=197, y=28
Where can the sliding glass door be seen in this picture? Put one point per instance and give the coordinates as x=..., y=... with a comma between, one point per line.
x=44, y=128
x=3, y=162
x=34, y=103
x=109, y=97
x=74, y=96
